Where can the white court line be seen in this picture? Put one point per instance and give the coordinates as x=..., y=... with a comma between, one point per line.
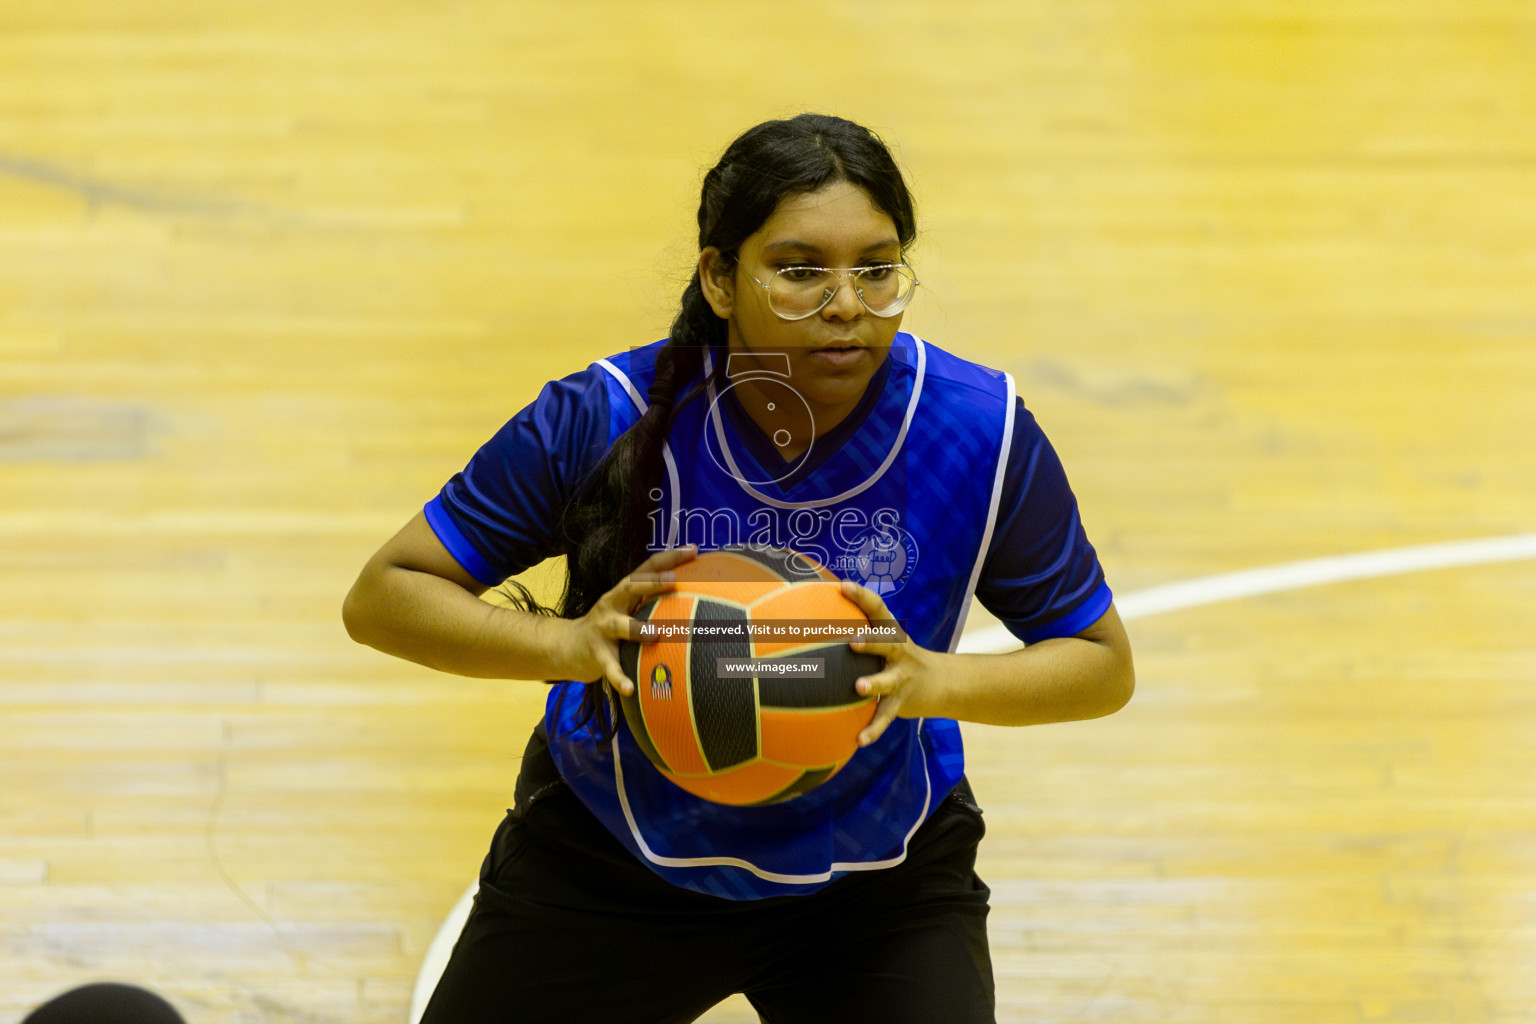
x=1169, y=597
x=437, y=954
x=1274, y=579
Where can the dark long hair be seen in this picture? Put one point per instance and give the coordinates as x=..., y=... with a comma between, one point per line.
x=605, y=529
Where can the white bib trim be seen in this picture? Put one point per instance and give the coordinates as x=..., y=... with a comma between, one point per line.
x=746, y=865
x=901, y=437
x=998, y=475
x=666, y=449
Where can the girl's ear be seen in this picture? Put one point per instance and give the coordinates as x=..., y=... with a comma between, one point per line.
x=717, y=282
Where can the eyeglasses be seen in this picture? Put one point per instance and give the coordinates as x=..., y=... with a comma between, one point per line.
x=795, y=293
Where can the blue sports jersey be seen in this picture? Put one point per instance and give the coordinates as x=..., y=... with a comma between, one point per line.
x=938, y=486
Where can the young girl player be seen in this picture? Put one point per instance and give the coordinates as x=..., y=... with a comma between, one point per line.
x=786, y=408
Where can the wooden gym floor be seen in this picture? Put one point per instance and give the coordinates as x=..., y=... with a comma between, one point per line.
x=1265, y=271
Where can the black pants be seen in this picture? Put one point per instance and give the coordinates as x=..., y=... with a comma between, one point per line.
x=569, y=927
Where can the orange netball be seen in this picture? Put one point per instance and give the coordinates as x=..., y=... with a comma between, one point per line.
x=748, y=696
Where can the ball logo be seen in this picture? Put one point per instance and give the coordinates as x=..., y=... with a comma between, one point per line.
x=661, y=683
x=882, y=559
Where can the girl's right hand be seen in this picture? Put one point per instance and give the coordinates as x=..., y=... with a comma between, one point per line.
x=593, y=644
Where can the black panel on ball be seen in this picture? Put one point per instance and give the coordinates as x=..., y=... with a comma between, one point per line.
x=724, y=710
x=789, y=566
x=631, y=662
x=807, y=781
x=841, y=665
x=636, y=719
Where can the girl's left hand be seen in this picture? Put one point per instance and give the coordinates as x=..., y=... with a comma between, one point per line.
x=908, y=686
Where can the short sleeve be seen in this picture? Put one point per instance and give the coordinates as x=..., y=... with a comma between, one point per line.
x=1041, y=577
x=498, y=516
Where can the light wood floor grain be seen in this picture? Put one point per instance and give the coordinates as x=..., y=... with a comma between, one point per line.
x=1265, y=272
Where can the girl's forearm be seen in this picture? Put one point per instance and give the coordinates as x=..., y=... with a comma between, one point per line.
x=1062, y=680
x=435, y=622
